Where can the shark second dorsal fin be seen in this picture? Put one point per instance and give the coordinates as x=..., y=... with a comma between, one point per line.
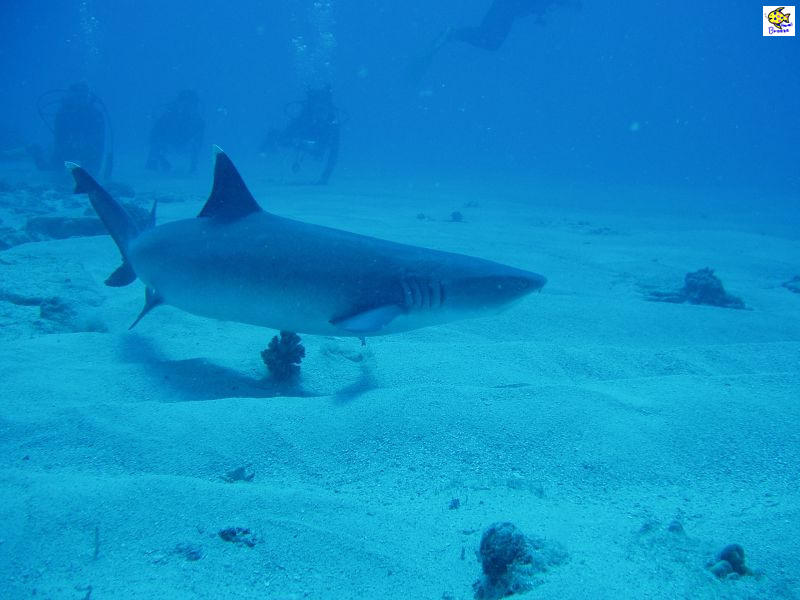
x=230, y=198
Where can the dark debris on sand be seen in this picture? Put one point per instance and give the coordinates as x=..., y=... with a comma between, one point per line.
x=240, y=536
x=700, y=287
x=239, y=474
x=729, y=563
x=190, y=552
x=793, y=285
x=283, y=356
x=510, y=560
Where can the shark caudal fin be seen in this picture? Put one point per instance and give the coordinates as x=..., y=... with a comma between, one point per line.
x=119, y=223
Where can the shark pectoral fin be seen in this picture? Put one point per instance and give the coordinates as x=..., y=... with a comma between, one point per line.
x=151, y=300
x=122, y=276
x=368, y=321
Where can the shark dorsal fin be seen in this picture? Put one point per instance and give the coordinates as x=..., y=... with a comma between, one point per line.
x=230, y=198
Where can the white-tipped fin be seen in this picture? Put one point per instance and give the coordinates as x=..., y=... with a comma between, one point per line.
x=230, y=199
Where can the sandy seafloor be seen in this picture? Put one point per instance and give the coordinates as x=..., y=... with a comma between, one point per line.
x=585, y=415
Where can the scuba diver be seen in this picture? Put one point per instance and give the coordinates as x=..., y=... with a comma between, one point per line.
x=492, y=31
x=77, y=119
x=313, y=130
x=178, y=128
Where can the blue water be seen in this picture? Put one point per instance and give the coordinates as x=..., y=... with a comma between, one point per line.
x=641, y=93
x=613, y=147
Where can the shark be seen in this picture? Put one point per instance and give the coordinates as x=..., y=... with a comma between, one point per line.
x=238, y=262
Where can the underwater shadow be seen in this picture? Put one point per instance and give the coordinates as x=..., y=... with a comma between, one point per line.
x=366, y=382
x=196, y=379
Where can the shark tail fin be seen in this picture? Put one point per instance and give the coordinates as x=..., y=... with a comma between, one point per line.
x=118, y=222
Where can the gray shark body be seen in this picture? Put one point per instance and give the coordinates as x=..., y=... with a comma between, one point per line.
x=237, y=262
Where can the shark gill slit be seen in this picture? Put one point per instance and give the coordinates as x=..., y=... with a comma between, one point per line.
x=422, y=294
x=436, y=293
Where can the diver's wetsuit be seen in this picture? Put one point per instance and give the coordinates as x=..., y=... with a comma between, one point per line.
x=497, y=22
x=78, y=134
x=179, y=128
x=314, y=131
x=333, y=153
x=489, y=35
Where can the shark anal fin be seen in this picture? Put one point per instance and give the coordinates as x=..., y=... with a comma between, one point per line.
x=230, y=198
x=122, y=276
x=368, y=321
x=151, y=300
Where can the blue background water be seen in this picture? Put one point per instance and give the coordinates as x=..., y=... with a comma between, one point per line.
x=664, y=93
x=586, y=416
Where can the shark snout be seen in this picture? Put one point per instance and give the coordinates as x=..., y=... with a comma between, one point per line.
x=525, y=284
x=511, y=287
x=495, y=289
